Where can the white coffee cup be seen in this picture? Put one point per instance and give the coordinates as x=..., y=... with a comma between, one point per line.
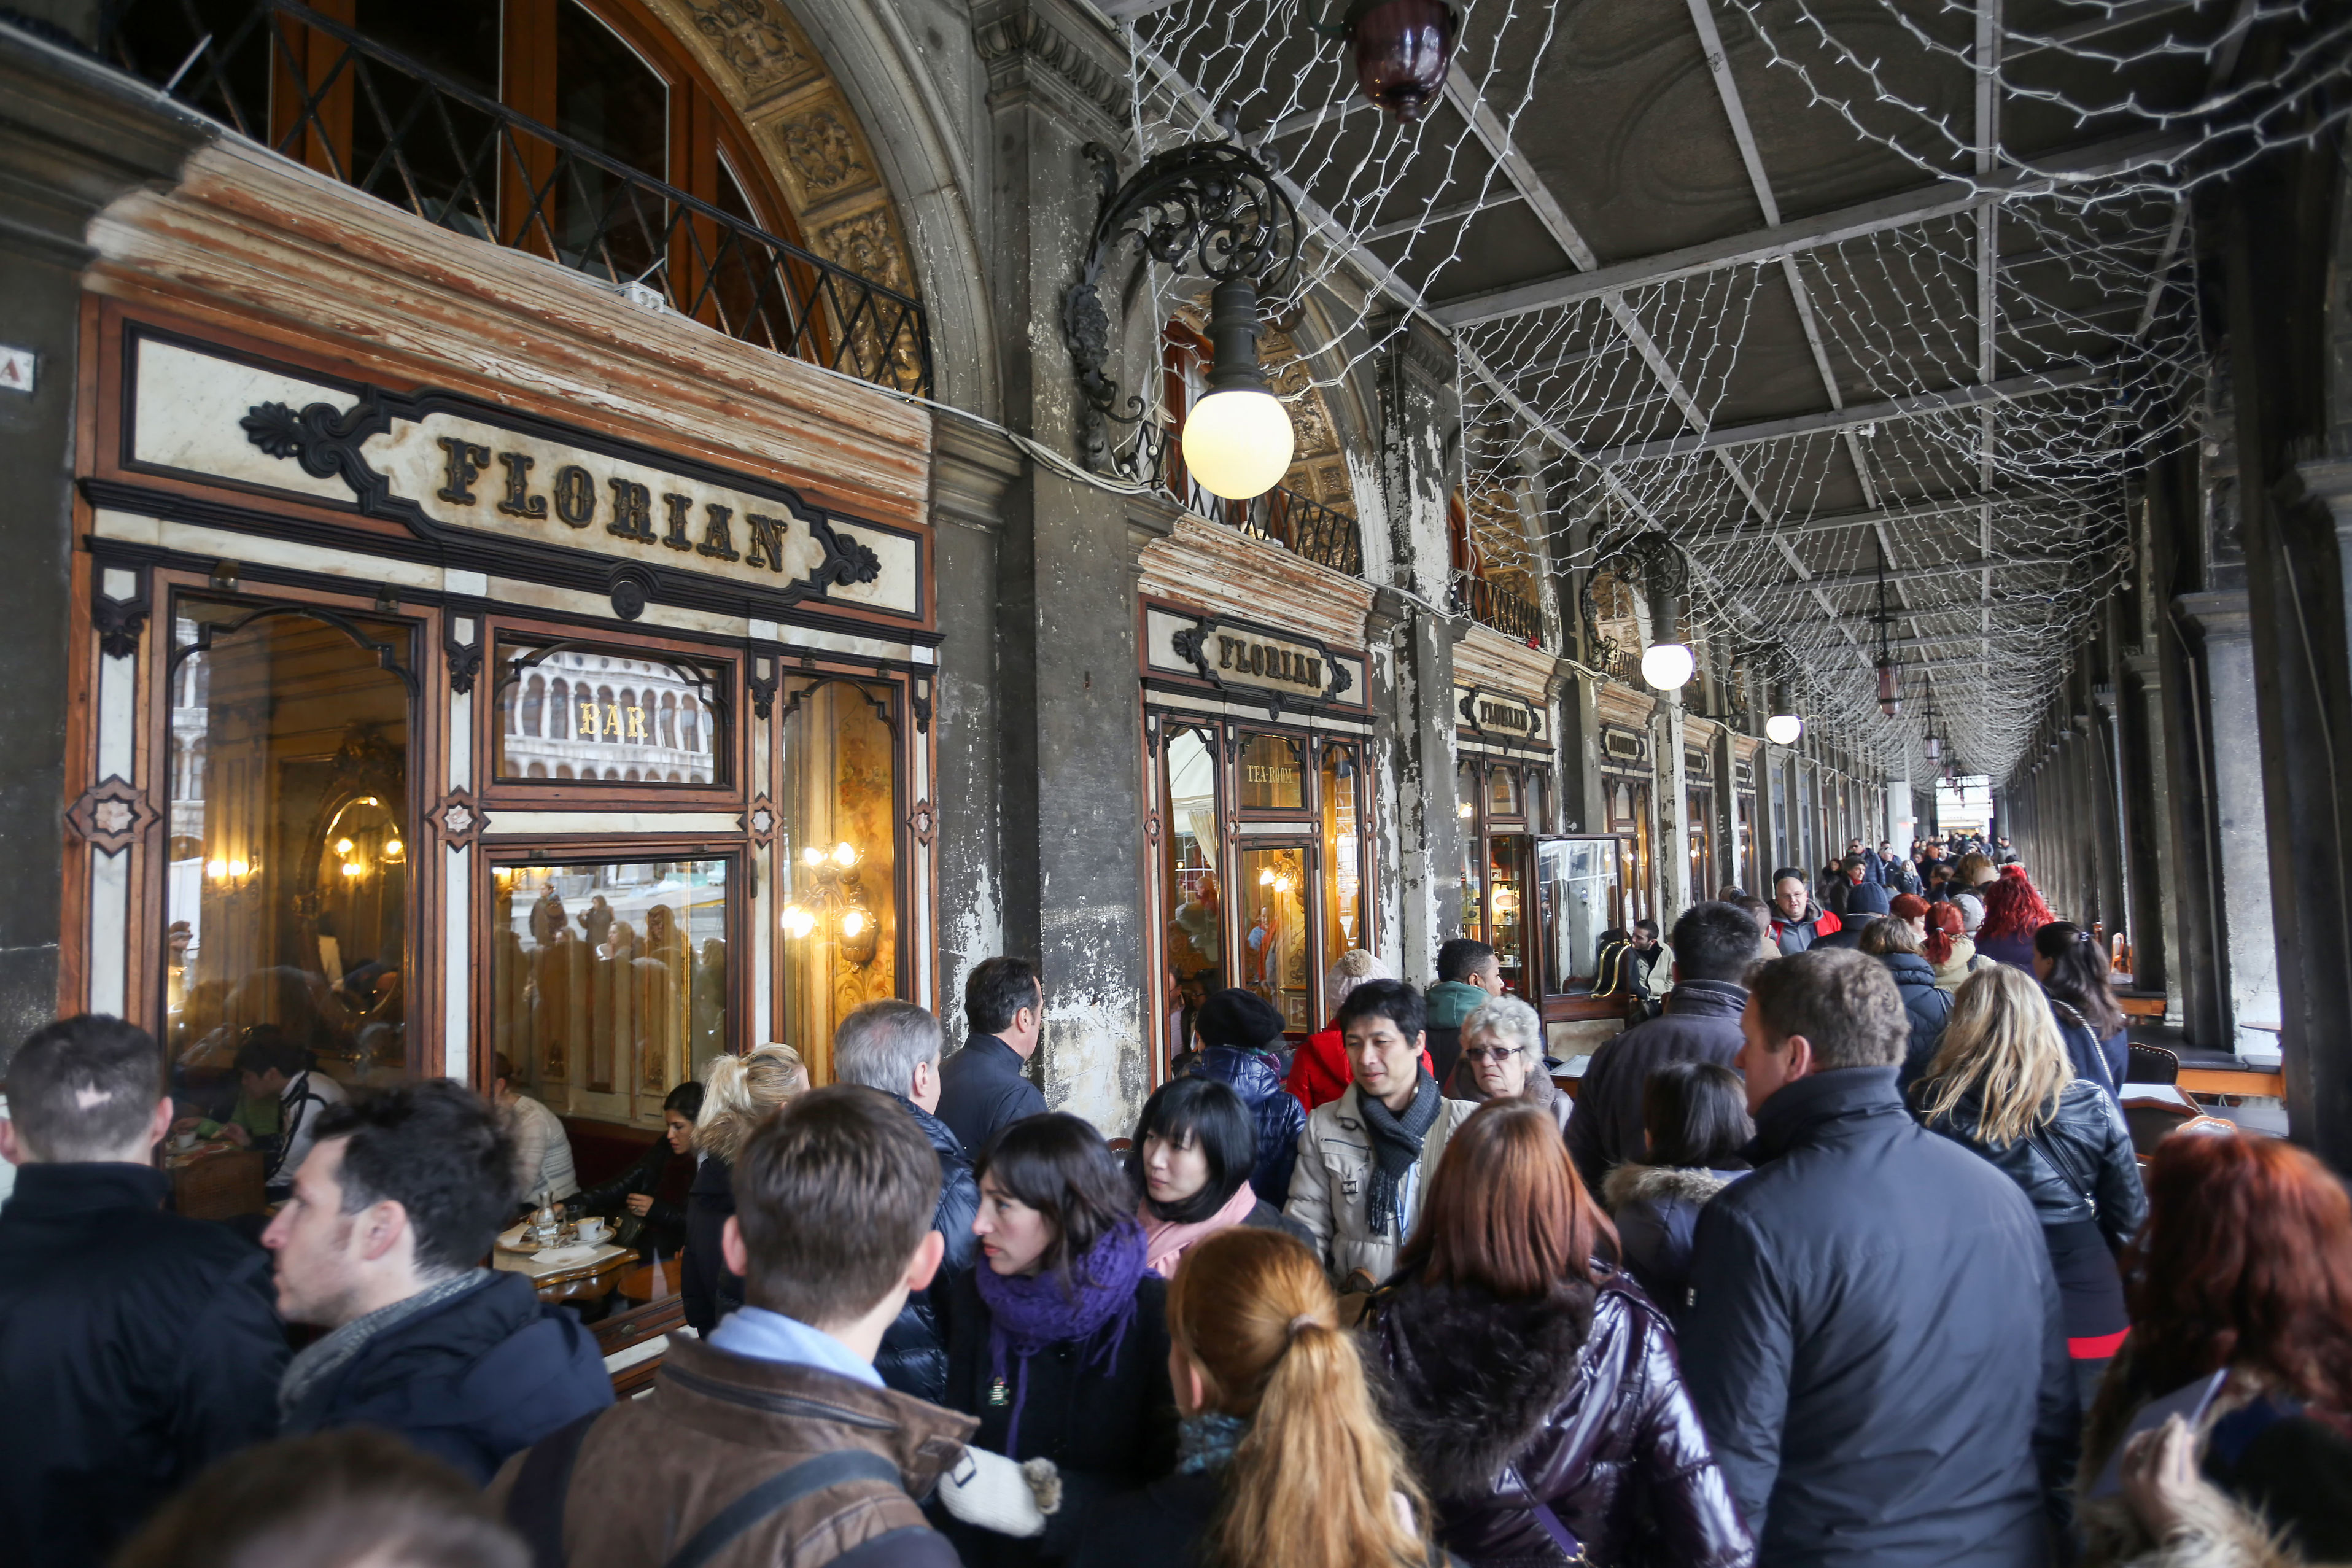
x=592, y=1230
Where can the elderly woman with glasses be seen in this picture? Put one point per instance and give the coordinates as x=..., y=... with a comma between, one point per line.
x=1502, y=1058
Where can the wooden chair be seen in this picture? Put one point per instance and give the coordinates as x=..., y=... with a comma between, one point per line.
x=635, y=1341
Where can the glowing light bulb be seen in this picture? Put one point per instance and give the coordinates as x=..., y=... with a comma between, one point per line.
x=1466, y=811
x=342, y=845
x=216, y=869
x=393, y=849
x=852, y=921
x=239, y=867
x=353, y=868
x=1782, y=728
x=1668, y=665
x=1265, y=878
x=1238, y=443
x=844, y=855
x=798, y=922
x=811, y=855
x=1282, y=884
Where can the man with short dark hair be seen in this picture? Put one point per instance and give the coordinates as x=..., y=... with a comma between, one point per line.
x=399, y=1201
x=1714, y=946
x=985, y=1086
x=781, y=1407
x=136, y=1347
x=269, y=1067
x=1468, y=975
x=1365, y=1158
x=1873, y=1338
x=894, y=1047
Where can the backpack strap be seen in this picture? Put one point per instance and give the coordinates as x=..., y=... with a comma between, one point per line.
x=535, y=1506
x=780, y=1491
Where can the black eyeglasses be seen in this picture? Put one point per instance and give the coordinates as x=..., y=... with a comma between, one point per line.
x=1477, y=1054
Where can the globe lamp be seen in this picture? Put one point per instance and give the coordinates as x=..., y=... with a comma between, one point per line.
x=1782, y=728
x=1237, y=439
x=1668, y=665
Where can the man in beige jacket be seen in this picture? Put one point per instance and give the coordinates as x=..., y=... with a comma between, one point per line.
x=1366, y=1159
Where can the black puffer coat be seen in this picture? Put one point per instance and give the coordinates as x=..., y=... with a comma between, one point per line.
x=1574, y=1402
x=1928, y=1008
x=710, y=1292
x=1274, y=1113
x=914, y=1354
x=1655, y=1208
x=662, y=1228
x=2080, y=1165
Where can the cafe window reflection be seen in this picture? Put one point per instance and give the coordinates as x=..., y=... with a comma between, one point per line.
x=1343, y=853
x=611, y=714
x=286, y=887
x=837, y=858
x=1276, y=954
x=608, y=981
x=1273, y=773
x=1196, y=960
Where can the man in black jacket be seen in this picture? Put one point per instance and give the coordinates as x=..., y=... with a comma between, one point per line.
x=1873, y=1338
x=1714, y=944
x=136, y=1347
x=894, y=1047
x=402, y=1195
x=982, y=1088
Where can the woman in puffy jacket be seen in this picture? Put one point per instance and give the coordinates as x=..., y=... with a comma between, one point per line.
x=1240, y=1048
x=1894, y=943
x=2002, y=1085
x=1534, y=1389
x=1694, y=1119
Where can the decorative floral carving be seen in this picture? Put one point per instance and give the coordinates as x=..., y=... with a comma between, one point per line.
x=112, y=816
x=923, y=821
x=866, y=245
x=457, y=818
x=759, y=46
x=821, y=151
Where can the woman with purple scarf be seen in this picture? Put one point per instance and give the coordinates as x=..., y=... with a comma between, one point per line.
x=1058, y=1342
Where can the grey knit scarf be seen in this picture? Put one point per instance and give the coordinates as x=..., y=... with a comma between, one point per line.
x=1396, y=1144
x=324, y=1357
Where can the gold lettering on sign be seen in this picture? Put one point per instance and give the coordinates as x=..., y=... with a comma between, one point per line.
x=1269, y=662
x=599, y=719
x=1500, y=716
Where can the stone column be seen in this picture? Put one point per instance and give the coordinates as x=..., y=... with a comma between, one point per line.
x=2155, y=912
x=1581, y=807
x=1069, y=707
x=2249, y=946
x=74, y=136
x=1419, y=414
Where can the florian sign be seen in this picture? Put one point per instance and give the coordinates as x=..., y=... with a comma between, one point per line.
x=527, y=491
x=1260, y=660
x=1500, y=717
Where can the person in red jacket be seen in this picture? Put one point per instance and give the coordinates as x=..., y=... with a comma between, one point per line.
x=1318, y=1070
x=1796, y=925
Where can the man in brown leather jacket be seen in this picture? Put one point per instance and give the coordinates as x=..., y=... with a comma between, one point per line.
x=774, y=1442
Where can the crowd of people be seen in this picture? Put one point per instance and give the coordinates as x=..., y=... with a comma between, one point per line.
x=1837, y=1259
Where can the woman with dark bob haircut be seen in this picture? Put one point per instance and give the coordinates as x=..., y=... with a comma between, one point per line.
x=2244, y=1268
x=1536, y=1391
x=1695, y=1116
x=1195, y=1147
x=1058, y=1342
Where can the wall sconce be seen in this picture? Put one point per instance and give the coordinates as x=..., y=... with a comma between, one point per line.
x=1279, y=883
x=1667, y=663
x=230, y=873
x=1214, y=205
x=837, y=903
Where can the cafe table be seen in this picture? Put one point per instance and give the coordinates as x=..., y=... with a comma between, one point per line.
x=574, y=1271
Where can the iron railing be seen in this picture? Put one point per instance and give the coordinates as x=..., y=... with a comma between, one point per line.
x=1492, y=605
x=314, y=89
x=1305, y=527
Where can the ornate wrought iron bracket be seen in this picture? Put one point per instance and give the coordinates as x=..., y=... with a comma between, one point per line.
x=1213, y=204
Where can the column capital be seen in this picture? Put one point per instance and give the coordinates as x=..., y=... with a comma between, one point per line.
x=2222, y=614
x=2328, y=481
x=1052, y=52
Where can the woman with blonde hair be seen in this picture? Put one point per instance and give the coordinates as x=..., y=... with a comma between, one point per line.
x=738, y=1094
x=1534, y=1388
x=2000, y=1083
x=1284, y=1461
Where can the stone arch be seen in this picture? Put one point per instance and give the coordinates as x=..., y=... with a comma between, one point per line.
x=799, y=120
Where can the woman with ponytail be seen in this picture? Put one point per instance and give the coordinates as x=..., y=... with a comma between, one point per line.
x=1284, y=1463
x=738, y=1094
x=1534, y=1389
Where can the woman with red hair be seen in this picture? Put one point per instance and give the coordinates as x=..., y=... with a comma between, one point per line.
x=2013, y=912
x=2244, y=1268
x=1534, y=1388
x=1943, y=939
